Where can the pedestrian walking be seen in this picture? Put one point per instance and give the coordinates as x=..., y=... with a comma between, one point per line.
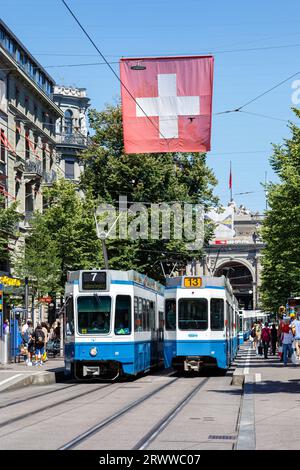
x=266, y=338
x=6, y=327
x=287, y=339
x=295, y=326
x=258, y=338
x=253, y=336
x=273, y=339
x=39, y=338
x=30, y=342
x=46, y=333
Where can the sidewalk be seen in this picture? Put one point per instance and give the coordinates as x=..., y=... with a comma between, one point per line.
x=18, y=375
x=270, y=413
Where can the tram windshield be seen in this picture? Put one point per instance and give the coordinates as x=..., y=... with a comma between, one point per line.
x=193, y=314
x=94, y=314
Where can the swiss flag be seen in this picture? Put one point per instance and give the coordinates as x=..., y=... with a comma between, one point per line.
x=167, y=104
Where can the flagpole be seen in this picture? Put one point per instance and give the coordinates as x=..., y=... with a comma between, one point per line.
x=230, y=183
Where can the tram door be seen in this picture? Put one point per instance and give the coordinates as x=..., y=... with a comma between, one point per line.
x=151, y=306
x=228, y=342
x=160, y=338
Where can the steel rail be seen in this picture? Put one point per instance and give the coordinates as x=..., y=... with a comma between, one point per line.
x=102, y=424
x=163, y=423
x=46, y=407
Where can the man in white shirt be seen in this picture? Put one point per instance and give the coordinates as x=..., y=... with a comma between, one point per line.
x=295, y=326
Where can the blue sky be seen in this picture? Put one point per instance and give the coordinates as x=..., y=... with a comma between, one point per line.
x=256, y=44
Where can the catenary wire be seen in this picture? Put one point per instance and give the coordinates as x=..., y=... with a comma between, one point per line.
x=112, y=70
x=259, y=96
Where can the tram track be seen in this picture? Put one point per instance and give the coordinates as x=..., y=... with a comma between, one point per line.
x=155, y=430
x=46, y=407
x=29, y=398
x=105, y=422
x=61, y=402
x=166, y=420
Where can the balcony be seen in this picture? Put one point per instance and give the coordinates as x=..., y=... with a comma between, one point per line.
x=49, y=177
x=71, y=139
x=33, y=167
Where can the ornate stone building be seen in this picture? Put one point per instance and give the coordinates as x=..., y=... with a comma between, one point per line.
x=71, y=129
x=235, y=251
x=27, y=128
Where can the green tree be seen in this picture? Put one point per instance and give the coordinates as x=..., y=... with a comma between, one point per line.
x=147, y=178
x=63, y=238
x=281, y=227
x=9, y=218
x=39, y=261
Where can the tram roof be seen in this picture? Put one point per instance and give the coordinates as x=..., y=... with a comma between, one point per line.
x=115, y=275
x=206, y=282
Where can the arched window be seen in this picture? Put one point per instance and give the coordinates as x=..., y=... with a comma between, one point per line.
x=68, y=122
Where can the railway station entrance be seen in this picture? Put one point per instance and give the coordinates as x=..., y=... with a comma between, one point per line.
x=241, y=280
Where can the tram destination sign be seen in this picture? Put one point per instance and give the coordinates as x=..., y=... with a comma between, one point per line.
x=94, y=280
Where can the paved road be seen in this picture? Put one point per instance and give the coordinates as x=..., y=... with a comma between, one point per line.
x=64, y=411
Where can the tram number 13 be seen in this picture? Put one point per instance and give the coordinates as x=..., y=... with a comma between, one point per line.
x=192, y=282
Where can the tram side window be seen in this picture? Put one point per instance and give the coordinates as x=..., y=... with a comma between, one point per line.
x=138, y=314
x=69, y=327
x=228, y=314
x=170, y=314
x=145, y=315
x=151, y=315
x=216, y=314
x=123, y=315
x=231, y=318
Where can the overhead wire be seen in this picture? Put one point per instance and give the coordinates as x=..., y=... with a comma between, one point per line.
x=113, y=71
x=259, y=96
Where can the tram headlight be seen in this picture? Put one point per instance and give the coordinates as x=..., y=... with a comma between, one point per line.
x=93, y=352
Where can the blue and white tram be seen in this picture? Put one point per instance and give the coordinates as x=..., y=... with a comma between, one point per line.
x=114, y=324
x=201, y=319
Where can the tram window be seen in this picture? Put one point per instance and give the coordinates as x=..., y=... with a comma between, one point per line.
x=216, y=314
x=161, y=320
x=145, y=315
x=69, y=325
x=138, y=314
x=193, y=314
x=152, y=315
x=94, y=314
x=123, y=315
x=228, y=314
x=170, y=314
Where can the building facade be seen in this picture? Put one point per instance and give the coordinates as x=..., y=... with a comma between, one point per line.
x=71, y=129
x=235, y=251
x=27, y=128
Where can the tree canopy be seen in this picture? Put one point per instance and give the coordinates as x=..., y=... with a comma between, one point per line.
x=281, y=257
x=146, y=178
x=62, y=238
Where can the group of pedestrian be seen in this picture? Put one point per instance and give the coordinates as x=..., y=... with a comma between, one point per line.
x=265, y=340
x=35, y=340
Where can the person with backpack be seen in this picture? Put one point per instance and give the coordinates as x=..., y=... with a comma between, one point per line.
x=29, y=341
x=39, y=339
x=253, y=336
x=266, y=337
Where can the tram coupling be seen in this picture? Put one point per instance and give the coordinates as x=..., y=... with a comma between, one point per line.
x=192, y=363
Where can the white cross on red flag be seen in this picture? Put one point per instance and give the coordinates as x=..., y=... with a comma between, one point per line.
x=167, y=104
